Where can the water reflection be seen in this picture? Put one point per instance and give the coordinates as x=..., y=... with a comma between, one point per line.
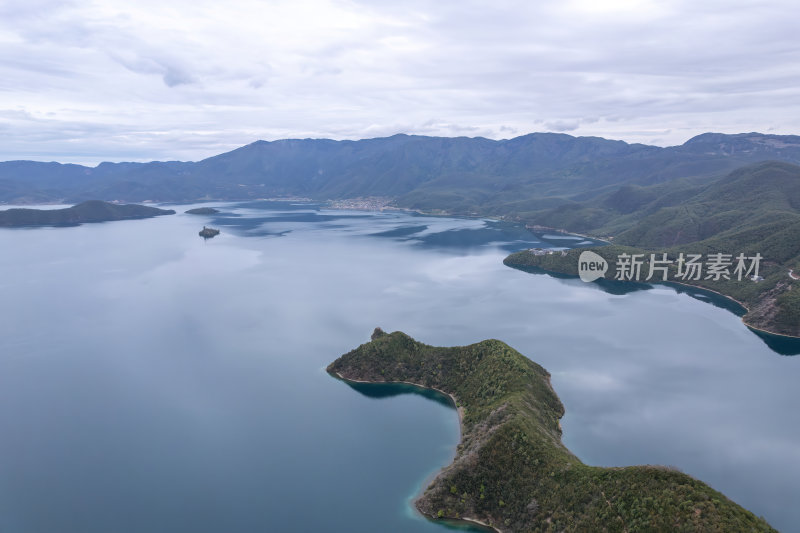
x=609, y=286
x=146, y=374
x=779, y=343
x=389, y=390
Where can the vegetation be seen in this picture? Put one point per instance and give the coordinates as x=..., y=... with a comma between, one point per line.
x=202, y=211
x=772, y=304
x=714, y=194
x=522, y=177
x=755, y=209
x=91, y=211
x=511, y=470
x=208, y=233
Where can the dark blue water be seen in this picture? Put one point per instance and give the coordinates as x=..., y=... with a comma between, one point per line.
x=154, y=381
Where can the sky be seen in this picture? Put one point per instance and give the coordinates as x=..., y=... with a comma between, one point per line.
x=90, y=81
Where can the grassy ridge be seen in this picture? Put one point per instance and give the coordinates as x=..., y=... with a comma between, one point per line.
x=511, y=470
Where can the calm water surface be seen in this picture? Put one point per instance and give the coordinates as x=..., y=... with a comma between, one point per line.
x=153, y=381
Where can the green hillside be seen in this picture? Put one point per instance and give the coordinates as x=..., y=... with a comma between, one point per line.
x=753, y=196
x=773, y=304
x=715, y=193
x=511, y=469
x=755, y=209
x=681, y=210
x=519, y=176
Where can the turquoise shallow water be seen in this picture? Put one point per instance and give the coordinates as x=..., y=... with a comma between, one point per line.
x=153, y=381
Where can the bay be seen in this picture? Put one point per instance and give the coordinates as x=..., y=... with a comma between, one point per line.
x=154, y=381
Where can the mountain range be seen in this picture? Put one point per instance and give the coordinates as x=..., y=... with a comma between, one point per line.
x=462, y=175
x=715, y=193
x=753, y=210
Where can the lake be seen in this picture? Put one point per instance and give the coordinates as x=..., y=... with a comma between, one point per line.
x=154, y=381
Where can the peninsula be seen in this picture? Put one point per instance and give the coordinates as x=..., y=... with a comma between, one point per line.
x=754, y=210
x=90, y=211
x=511, y=470
x=769, y=301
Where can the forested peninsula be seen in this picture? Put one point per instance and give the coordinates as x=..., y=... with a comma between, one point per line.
x=511, y=470
x=770, y=304
x=90, y=211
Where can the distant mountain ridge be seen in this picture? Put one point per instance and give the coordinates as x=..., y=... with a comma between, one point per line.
x=715, y=193
x=460, y=174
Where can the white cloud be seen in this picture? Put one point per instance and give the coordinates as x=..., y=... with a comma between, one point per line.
x=562, y=125
x=113, y=80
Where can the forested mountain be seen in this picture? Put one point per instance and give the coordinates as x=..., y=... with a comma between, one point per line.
x=753, y=210
x=715, y=193
x=682, y=211
x=464, y=175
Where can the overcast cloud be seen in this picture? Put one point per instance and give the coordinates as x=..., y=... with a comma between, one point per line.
x=115, y=80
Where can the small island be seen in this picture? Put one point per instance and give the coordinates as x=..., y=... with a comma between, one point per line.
x=86, y=212
x=208, y=233
x=511, y=471
x=202, y=211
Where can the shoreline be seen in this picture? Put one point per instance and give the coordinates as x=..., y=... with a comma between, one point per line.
x=437, y=213
x=565, y=232
x=435, y=475
x=731, y=298
x=744, y=306
x=768, y=332
x=696, y=287
x=453, y=399
x=498, y=437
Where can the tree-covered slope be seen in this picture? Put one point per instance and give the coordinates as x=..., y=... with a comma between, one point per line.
x=466, y=175
x=511, y=470
x=772, y=304
x=681, y=211
x=763, y=194
x=753, y=210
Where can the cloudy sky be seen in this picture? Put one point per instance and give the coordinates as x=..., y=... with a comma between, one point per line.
x=107, y=80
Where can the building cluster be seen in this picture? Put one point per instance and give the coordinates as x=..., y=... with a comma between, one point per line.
x=371, y=203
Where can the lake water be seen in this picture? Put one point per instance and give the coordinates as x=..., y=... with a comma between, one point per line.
x=154, y=381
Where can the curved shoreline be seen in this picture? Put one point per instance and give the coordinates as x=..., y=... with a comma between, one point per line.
x=512, y=472
x=566, y=232
x=696, y=287
x=435, y=475
x=731, y=298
